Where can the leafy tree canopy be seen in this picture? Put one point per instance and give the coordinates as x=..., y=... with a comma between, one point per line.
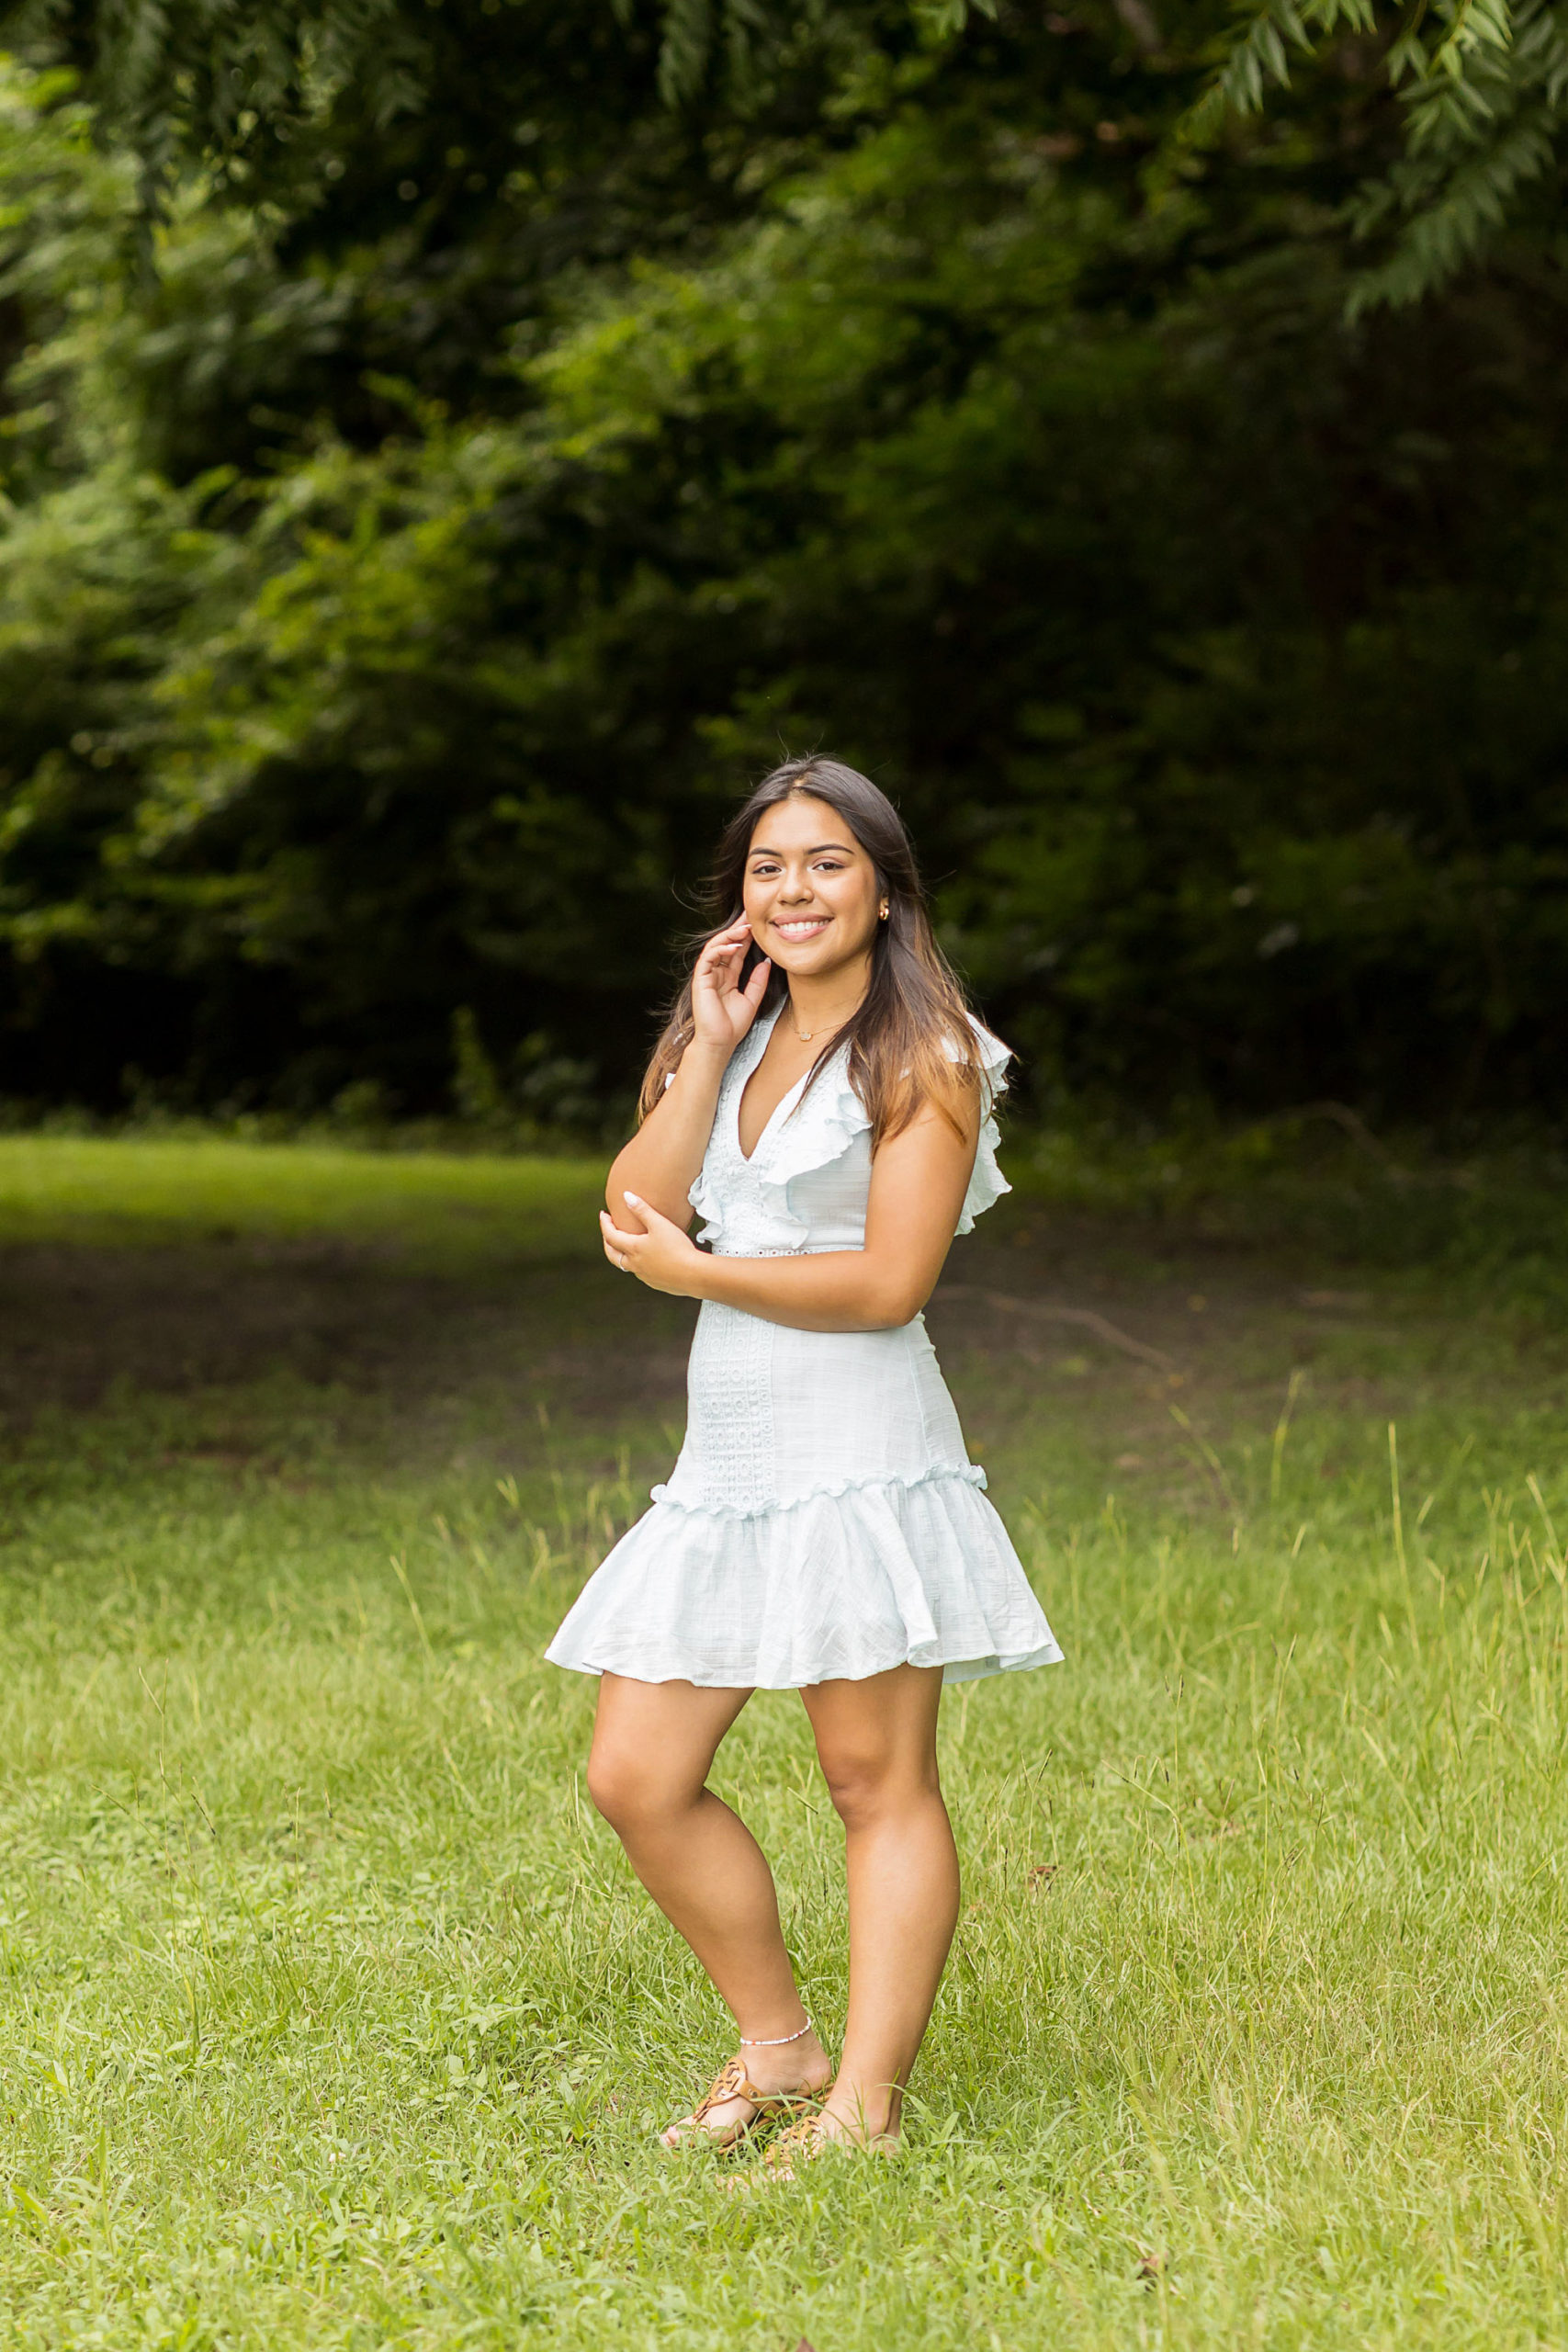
x=446, y=448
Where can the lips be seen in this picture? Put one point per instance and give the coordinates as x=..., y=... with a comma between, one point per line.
x=809, y=927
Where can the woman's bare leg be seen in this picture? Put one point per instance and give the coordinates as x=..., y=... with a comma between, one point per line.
x=653, y=1746
x=876, y=1743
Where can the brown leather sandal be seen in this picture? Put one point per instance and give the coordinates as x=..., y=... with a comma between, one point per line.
x=805, y=2140
x=733, y=2082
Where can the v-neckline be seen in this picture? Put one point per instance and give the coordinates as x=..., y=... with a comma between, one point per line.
x=748, y=1157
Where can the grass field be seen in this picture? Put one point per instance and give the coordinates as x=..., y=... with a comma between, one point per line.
x=330, y=2014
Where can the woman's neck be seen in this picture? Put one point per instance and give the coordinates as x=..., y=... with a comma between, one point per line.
x=818, y=1004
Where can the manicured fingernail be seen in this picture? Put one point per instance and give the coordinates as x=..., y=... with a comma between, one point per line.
x=635, y=1198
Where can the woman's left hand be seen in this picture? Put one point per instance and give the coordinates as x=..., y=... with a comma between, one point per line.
x=661, y=1255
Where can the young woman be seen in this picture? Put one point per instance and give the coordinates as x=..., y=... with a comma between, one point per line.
x=821, y=1096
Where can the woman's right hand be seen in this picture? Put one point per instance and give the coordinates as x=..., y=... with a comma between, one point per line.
x=722, y=1010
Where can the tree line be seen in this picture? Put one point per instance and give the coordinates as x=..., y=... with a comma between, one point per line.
x=447, y=448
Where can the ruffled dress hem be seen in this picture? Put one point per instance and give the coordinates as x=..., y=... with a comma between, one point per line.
x=836, y=1585
x=695, y=1670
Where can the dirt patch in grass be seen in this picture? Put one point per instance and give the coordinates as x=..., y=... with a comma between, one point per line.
x=80, y=1322
x=1047, y=1322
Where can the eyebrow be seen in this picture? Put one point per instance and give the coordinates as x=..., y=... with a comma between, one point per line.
x=761, y=850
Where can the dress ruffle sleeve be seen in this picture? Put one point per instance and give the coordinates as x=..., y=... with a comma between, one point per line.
x=817, y=1127
x=817, y=1130
x=987, y=1183
x=702, y=1194
x=705, y=1200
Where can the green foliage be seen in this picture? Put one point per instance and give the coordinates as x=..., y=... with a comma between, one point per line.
x=1483, y=87
x=420, y=524
x=197, y=77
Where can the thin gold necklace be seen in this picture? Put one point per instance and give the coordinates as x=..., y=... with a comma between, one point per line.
x=806, y=1036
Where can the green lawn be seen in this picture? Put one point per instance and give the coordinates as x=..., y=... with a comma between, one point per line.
x=332, y=2016
x=432, y=1207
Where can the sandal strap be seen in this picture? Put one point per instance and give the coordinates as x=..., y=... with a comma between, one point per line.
x=810, y=2127
x=733, y=2082
x=803, y=2139
x=810, y=2136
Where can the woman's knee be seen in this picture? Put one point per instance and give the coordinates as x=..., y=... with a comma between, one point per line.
x=870, y=1787
x=632, y=1792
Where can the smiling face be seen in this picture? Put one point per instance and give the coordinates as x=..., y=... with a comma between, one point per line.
x=811, y=895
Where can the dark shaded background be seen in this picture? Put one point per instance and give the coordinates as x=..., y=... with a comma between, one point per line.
x=432, y=499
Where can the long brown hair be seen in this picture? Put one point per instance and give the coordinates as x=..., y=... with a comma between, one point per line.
x=910, y=1040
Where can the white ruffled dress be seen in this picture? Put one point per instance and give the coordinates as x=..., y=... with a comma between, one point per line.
x=824, y=1518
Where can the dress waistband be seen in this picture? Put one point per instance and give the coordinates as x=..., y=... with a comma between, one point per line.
x=787, y=1250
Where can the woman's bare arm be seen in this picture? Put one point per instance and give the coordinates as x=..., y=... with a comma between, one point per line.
x=661, y=1163
x=917, y=1182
